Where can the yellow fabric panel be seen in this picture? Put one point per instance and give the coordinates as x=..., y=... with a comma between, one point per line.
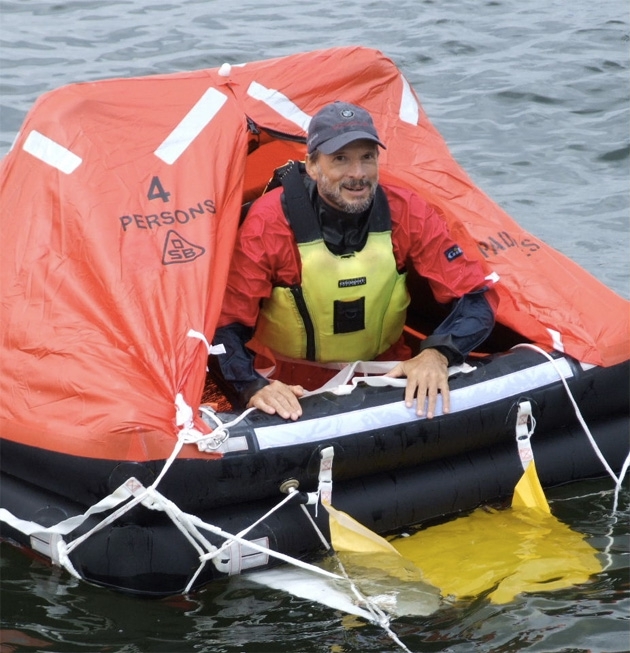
x=502, y=552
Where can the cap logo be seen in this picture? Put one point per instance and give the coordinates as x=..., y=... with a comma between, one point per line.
x=347, y=113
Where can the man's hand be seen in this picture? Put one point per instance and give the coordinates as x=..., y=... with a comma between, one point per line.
x=427, y=374
x=277, y=397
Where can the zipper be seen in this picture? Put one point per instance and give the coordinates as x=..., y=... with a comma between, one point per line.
x=300, y=302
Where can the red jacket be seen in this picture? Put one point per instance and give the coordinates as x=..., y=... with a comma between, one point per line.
x=266, y=254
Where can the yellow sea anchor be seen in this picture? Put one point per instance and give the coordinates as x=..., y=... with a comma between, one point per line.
x=522, y=549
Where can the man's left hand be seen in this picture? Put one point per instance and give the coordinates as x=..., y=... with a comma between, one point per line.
x=427, y=375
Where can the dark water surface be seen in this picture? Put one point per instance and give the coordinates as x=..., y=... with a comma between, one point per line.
x=45, y=609
x=534, y=101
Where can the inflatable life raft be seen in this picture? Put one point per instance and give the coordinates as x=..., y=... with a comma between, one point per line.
x=120, y=204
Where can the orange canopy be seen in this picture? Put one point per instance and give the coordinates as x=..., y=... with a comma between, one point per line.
x=120, y=201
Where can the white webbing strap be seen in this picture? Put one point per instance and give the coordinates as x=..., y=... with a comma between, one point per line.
x=378, y=616
x=525, y=425
x=221, y=432
x=189, y=525
x=575, y=408
x=68, y=525
x=617, y=479
x=345, y=381
x=340, y=381
x=212, y=349
x=49, y=540
x=325, y=475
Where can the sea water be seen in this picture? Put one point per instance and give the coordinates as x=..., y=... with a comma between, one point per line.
x=533, y=99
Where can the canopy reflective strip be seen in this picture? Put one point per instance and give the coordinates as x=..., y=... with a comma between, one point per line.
x=55, y=155
x=204, y=110
x=280, y=104
x=367, y=419
x=409, y=110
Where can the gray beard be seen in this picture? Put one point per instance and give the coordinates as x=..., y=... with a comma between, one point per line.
x=332, y=194
x=350, y=207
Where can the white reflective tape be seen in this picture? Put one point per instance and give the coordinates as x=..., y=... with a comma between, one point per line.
x=233, y=444
x=377, y=417
x=409, y=110
x=204, y=110
x=280, y=104
x=494, y=277
x=556, y=339
x=55, y=155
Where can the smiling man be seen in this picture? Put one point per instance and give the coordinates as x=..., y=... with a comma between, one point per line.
x=319, y=276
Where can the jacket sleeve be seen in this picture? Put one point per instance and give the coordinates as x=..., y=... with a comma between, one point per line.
x=264, y=255
x=423, y=241
x=236, y=366
x=467, y=326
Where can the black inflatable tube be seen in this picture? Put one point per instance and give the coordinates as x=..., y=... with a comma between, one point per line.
x=149, y=556
x=238, y=477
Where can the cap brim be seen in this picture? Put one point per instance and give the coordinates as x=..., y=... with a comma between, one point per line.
x=336, y=143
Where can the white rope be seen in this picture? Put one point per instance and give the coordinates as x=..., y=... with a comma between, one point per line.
x=188, y=524
x=258, y=547
x=134, y=493
x=622, y=474
x=617, y=479
x=322, y=539
x=241, y=534
x=187, y=435
x=378, y=616
x=221, y=433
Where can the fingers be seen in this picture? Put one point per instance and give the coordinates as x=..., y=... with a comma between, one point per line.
x=279, y=398
x=431, y=393
x=427, y=377
x=446, y=399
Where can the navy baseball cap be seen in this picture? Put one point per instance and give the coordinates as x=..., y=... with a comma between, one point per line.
x=338, y=124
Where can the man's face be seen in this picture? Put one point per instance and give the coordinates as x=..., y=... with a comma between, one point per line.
x=347, y=178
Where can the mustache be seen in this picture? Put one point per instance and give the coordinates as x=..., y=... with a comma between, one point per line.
x=357, y=184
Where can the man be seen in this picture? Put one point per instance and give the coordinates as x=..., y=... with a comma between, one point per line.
x=318, y=274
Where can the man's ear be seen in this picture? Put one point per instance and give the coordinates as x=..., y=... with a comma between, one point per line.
x=309, y=164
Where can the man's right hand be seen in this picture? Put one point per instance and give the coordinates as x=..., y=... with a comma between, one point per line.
x=277, y=397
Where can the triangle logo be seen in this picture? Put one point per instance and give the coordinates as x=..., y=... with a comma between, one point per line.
x=178, y=250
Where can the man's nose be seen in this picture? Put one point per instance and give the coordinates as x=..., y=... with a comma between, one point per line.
x=357, y=170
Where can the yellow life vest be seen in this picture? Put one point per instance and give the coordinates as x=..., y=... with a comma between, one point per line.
x=347, y=308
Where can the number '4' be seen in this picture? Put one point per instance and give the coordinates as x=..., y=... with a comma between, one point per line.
x=156, y=190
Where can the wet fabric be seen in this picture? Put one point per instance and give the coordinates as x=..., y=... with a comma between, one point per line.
x=503, y=553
